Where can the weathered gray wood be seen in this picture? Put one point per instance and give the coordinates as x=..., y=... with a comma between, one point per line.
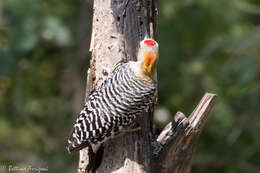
x=118, y=26
x=179, y=138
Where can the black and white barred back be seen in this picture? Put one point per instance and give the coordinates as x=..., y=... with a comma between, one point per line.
x=112, y=107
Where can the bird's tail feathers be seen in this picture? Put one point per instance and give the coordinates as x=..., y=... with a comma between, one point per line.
x=74, y=144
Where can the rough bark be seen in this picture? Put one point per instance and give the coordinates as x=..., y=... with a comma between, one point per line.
x=118, y=26
x=179, y=138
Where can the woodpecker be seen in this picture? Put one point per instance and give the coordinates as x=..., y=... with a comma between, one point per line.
x=113, y=107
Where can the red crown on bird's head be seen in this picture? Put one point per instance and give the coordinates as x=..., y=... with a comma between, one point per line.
x=149, y=42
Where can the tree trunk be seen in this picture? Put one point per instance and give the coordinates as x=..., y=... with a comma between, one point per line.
x=118, y=27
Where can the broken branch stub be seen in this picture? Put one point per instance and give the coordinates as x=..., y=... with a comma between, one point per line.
x=178, y=139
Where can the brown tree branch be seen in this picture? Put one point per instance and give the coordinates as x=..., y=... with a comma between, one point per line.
x=178, y=139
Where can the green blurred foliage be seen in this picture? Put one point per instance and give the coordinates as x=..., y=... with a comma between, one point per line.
x=205, y=45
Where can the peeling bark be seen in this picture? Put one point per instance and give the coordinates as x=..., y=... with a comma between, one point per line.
x=178, y=139
x=118, y=27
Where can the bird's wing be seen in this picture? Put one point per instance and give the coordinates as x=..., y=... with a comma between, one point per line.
x=119, y=64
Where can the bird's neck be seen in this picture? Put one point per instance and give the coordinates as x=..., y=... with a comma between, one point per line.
x=137, y=68
x=149, y=63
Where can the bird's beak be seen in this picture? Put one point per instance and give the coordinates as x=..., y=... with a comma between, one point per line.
x=149, y=63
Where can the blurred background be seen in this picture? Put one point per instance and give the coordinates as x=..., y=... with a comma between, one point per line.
x=211, y=46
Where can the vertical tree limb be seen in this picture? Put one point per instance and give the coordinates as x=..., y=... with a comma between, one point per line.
x=118, y=26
